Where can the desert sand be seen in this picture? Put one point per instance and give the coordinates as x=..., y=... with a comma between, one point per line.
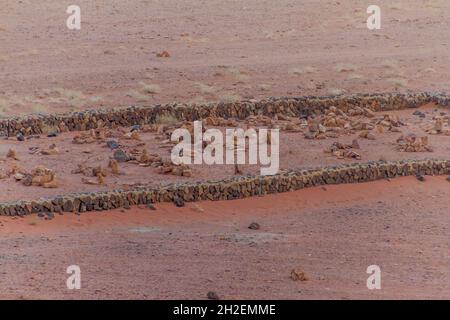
x=218, y=51
x=332, y=234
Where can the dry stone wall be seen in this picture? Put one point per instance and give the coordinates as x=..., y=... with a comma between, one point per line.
x=127, y=116
x=229, y=189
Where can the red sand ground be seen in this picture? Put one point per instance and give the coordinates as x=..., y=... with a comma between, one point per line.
x=219, y=50
x=332, y=233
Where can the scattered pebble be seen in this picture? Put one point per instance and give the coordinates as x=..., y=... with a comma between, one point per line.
x=212, y=296
x=20, y=137
x=298, y=275
x=112, y=144
x=179, y=202
x=420, y=177
x=419, y=113
x=52, y=134
x=254, y=226
x=163, y=54
x=121, y=156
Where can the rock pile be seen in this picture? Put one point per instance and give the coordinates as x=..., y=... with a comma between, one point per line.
x=337, y=122
x=389, y=123
x=12, y=154
x=91, y=136
x=40, y=176
x=341, y=151
x=440, y=126
x=52, y=150
x=412, y=143
x=95, y=175
x=168, y=167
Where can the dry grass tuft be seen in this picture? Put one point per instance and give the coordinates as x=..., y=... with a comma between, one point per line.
x=398, y=82
x=355, y=76
x=336, y=91
x=229, y=97
x=304, y=70
x=150, y=88
x=137, y=96
x=205, y=89
x=166, y=119
x=345, y=67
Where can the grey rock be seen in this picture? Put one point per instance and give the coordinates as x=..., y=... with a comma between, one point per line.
x=112, y=144
x=121, y=156
x=20, y=137
x=254, y=226
x=211, y=295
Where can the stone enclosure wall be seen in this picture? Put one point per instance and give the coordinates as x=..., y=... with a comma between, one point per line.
x=128, y=116
x=234, y=188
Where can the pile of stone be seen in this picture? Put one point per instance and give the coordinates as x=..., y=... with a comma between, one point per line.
x=366, y=134
x=277, y=121
x=330, y=125
x=318, y=131
x=440, y=126
x=91, y=136
x=221, y=122
x=95, y=175
x=342, y=151
x=145, y=159
x=412, y=143
x=40, y=176
x=133, y=135
x=336, y=122
x=389, y=123
x=51, y=150
x=168, y=167
x=12, y=154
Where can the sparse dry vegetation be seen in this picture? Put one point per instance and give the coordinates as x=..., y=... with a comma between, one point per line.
x=229, y=97
x=301, y=71
x=150, y=88
x=206, y=89
x=398, y=82
x=166, y=119
x=345, y=67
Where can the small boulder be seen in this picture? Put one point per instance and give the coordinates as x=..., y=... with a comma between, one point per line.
x=298, y=275
x=121, y=156
x=112, y=144
x=254, y=226
x=20, y=137
x=211, y=295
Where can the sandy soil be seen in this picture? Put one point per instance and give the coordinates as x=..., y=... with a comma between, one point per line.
x=333, y=234
x=220, y=50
